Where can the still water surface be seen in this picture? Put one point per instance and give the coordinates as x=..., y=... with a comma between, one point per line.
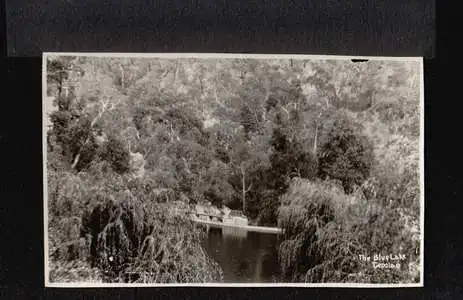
x=245, y=257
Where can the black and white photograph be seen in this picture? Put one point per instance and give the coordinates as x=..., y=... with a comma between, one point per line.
x=232, y=170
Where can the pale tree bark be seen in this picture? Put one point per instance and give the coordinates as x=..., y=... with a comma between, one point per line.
x=122, y=76
x=263, y=106
x=66, y=91
x=243, y=183
x=244, y=190
x=201, y=86
x=285, y=110
x=146, y=152
x=172, y=133
x=314, y=150
x=103, y=108
x=187, y=166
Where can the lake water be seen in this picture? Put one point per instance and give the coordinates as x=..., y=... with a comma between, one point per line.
x=245, y=257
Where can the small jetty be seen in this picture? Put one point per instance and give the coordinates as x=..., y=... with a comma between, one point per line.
x=227, y=219
x=260, y=229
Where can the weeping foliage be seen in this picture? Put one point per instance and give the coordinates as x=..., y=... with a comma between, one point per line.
x=140, y=241
x=326, y=230
x=106, y=228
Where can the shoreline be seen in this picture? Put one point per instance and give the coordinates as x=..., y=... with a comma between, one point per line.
x=260, y=229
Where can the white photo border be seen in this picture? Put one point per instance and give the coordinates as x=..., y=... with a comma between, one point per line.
x=230, y=56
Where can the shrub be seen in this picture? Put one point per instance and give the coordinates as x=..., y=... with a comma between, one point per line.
x=326, y=231
x=66, y=190
x=74, y=271
x=111, y=223
x=143, y=241
x=344, y=154
x=305, y=208
x=116, y=154
x=396, y=174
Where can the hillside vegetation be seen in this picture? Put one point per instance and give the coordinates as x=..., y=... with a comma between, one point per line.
x=328, y=150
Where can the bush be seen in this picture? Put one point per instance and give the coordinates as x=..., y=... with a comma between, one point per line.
x=396, y=174
x=74, y=271
x=143, y=241
x=305, y=208
x=326, y=231
x=345, y=154
x=113, y=223
x=116, y=154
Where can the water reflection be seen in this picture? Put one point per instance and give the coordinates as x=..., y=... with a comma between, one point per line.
x=245, y=257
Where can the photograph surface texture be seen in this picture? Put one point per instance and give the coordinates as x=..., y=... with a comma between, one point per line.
x=232, y=170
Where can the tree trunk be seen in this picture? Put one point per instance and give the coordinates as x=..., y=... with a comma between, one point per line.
x=60, y=89
x=122, y=77
x=315, y=141
x=314, y=150
x=76, y=161
x=77, y=157
x=244, y=189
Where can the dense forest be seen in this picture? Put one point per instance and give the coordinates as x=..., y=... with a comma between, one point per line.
x=328, y=150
